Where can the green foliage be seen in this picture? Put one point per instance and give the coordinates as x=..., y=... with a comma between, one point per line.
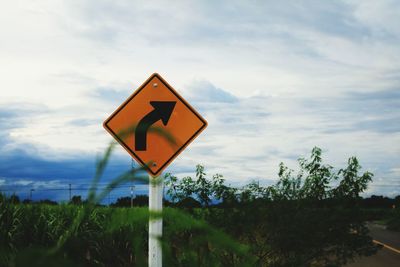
x=201, y=189
x=352, y=184
x=108, y=237
x=311, y=218
x=88, y=235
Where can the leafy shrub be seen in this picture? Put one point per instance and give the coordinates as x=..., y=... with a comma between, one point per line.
x=311, y=218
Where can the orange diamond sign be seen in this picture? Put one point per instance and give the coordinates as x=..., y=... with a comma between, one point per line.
x=155, y=124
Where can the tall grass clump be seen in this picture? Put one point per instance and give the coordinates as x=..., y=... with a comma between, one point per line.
x=94, y=235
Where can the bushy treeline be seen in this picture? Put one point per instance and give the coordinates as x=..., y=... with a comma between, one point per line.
x=309, y=218
x=380, y=202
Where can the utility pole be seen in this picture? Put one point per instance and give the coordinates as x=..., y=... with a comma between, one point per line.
x=30, y=194
x=132, y=190
x=70, y=189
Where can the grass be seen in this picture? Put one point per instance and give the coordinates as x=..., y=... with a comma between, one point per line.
x=107, y=237
x=90, y=235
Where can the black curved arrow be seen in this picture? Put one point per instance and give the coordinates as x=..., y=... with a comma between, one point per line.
x=162, y=111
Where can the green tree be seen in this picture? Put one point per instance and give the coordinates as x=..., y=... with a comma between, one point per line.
x=221, y=192
x=352, y=184
x=313, y=222
x=203, y=187
x=308, y=218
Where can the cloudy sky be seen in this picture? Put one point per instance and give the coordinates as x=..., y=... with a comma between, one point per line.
x=273, y=79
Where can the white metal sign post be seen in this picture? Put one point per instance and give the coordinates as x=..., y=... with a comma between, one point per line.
x=155, y=224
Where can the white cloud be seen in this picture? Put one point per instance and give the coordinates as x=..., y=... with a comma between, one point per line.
x=24, y=182
x=273, y=79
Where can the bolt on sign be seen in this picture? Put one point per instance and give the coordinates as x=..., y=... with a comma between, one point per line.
x=155, y=124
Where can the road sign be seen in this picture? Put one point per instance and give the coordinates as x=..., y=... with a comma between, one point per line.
x=155, y=124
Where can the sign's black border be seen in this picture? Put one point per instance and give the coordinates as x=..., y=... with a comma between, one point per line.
x=130, y=98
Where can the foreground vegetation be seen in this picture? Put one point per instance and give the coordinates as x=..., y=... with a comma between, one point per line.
x=311, y=218
x=107, y=237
